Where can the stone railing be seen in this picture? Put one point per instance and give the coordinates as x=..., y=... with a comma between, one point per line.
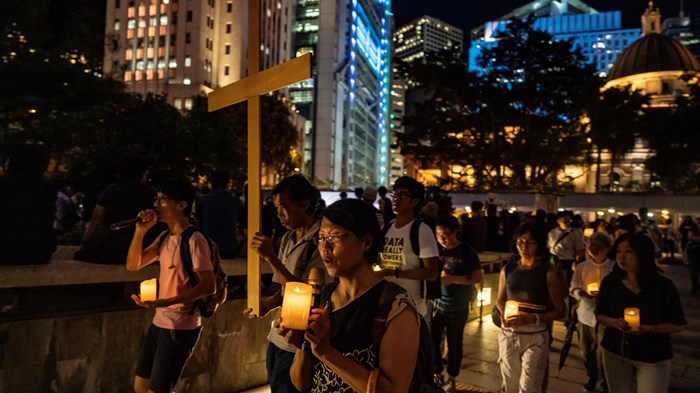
x=97, y=350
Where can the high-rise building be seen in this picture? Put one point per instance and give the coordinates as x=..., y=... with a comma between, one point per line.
x=599, y=35
x=183, y=48
x=347, y=104
x=423, y=35
x=411, y=43
x=685, y=28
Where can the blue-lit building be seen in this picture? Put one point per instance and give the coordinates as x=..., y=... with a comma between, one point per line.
x=347, y=102
x=599, y=35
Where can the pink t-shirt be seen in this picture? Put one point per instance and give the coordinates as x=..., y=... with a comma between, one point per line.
x=173, y=280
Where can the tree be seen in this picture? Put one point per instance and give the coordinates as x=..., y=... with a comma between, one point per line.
x=673, y=136
x=616, y=120
x=514, y=125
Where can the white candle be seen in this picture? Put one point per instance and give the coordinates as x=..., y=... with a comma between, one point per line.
x=593, y=288
x=632, y=317
x=149, y=289
x=511, y=309
x=296, y=305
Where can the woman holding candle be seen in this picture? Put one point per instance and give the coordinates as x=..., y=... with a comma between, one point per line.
x=584, y=287
x=342, y=356
x=539, y=290
x=639, y=359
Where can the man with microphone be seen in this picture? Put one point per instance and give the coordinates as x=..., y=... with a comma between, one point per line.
x=176, y=326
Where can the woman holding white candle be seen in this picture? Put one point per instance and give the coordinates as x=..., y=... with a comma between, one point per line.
x=584, y=287
x=342, y=356
x=539, y=290
x=639, y=360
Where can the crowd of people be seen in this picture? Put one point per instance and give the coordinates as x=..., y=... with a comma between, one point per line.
x=395, y=253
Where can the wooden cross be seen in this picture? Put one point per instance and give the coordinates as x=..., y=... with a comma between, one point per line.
x=251, y=88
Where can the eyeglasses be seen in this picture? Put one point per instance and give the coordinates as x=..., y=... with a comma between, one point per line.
x=331, y=239
x=400, y=195
x=523, y=243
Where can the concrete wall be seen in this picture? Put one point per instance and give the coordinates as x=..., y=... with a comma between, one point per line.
x=98, y=353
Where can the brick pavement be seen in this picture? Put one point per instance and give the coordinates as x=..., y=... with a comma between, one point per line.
x=480, y=372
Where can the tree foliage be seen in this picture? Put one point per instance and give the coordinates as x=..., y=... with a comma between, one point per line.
x=674, y=138
x=86, y=124
x=616, y=120
x=514, y=125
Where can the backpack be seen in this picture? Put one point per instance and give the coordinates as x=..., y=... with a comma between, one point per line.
x=422, y=381
x=208, y=305
x=431, y=289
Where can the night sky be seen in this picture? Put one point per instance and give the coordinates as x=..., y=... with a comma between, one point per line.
x=467, y=14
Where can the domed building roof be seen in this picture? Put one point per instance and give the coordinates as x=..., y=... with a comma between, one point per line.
x=653, y=52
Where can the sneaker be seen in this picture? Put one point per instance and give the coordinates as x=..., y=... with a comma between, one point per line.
x=449, y=387
x=589, y=386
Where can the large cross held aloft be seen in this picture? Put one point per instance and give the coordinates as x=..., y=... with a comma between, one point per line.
x=250, y=89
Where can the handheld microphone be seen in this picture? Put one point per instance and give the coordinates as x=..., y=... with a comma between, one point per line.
x=124, y=224
x=316, y=282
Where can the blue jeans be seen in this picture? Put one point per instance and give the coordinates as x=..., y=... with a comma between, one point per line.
x=278, y=364
x=163, y=356
x=451, y=324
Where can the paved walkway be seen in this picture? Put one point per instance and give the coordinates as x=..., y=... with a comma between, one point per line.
x=481, y=373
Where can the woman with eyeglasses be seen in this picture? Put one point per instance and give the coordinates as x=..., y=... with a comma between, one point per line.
x=539, y=290
x=341, y=351
x=638, y=360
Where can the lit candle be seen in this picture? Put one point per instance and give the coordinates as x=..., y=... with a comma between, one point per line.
x=593, y=288
x=588, y=232
x=296, y=305
x=149, y=289
x=632, y=317
x=376, y=267
x=511, y=309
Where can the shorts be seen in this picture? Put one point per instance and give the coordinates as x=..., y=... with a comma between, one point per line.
x=163, y=356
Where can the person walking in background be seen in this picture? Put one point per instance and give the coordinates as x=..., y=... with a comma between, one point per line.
x=566, y=245
x=591, y=271
x=474, y=228
x=369, y=196
x=297, y=203
x=638, y=360
x=27, y=209
x=399, y=262
x=350, y=350
x=176, y=326
x=218, y=214
x=461, y=271
x=385, y=205
x=119, y=201
x=539, y=290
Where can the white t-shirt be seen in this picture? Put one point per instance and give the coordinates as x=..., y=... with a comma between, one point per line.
x=568, y=246
x=397, y=247
x=588, y=272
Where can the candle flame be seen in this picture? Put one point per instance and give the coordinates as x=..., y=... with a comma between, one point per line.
x=297, y=290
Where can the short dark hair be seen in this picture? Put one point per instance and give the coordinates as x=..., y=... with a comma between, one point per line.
x=414, y=187
x=301, y=190
x=477, y=205
x=447, y=221
x=382, y=190
x=179, y=189
x=360, y=219
x=537, y=234
x=219, y=179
